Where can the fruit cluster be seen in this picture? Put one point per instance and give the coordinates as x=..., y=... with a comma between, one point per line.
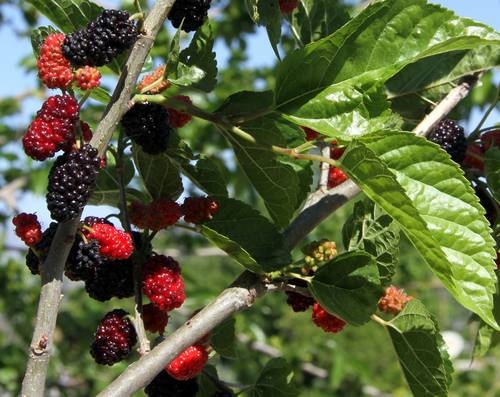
x=189, y=15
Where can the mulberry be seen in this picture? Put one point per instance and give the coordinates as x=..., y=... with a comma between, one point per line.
x=147, y=125
x=155, y=216
x=164, y=385
x=162, y=282
x=36, y=256
x=71, y=181
x=326, y=321
x=450, y=136
x=54, y=70
x=394, y=300
x=189, y=363
x=199, y=209
x=114, y=338
x=101, y=40
x=191, y=13
x=28, y=228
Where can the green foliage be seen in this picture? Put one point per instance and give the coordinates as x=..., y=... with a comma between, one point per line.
x=372, y=230
x=419, y=346
x=246, y=236
x=275, y=379
x=492, y=168
x=349, y=286
x=404, y=188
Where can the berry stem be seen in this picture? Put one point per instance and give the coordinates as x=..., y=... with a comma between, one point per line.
x=379, y=320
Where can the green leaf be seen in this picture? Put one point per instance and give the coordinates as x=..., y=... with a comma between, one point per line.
x=275, y=379
x=206, y=175
x=99, y=94
x=108, y=178
x=223, y=339
x=334, y=85
x=372, y=230
x=246, y=236
x=159, y=174
x=267, y=13
x=417, y=184
x=318, y=18
x=277, y=182
x=487, y=337
x=200, y=56
x=348, y=286
x=68, y=15
x=206, y=381
x=420, y=349
x=237, y=107
x=112, y=197
x=173, y=56
x=492, y=170
x=38, y=36
x=188, y=75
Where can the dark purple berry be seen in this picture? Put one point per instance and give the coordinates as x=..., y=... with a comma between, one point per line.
x=146, y=124
x=114, y=338
x=101, y=40
x=450, y=136
x=191, y=13
x=163, y=385
x=71, y=182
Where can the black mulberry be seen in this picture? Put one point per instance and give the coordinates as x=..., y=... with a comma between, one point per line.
x=450, y=136
x=101, y=40
x=191, y=13
x=114, y=338
x=147, y=125
x=163, y=385
x=83, y=260
x=71, y=181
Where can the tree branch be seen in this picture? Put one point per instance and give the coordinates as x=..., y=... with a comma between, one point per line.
x=53, y=268
x=245, y=290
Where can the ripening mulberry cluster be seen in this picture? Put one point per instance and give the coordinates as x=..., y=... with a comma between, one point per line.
x=199, y=209
x=147, y=125
x=114, y=338
x=393, y=300
x=189, y=13
x=101, y=40
x=157, y=215
x=53, y=128
x=28, y=228
x=450, y=136
x=154, y=82
x=71, y=182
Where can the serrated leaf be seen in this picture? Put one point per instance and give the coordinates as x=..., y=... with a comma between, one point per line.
x=68, y=15
x=173, y=56
x=492, y=170
x=200, y=56
x=38, y=36
x=160, y=175
x=375, y=232
x=206, y=175
x=326, y=86
x=417, y=184
x=420, y=350
x=486, y=336
x=245, y=104
x=277, y=182
x=223, y=338
x=246, y=236
x=188, y=75
x=348, y=286
x=275, y=379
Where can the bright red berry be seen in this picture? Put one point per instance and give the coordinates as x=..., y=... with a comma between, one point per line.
x=155, y=320
x=335, y=177
x=157, y=215
x=54, y=70
x=311, y=135
x=287, y=6
x=189, y=363
x=394, y=300
x=162, y=282
x=28, y=228
x=114, y=338
x=114, y=243
x=328, y=322
x=199, y=209
x=176, y=118
x=87, y=77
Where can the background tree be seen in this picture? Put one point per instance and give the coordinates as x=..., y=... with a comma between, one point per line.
x=260, y=145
